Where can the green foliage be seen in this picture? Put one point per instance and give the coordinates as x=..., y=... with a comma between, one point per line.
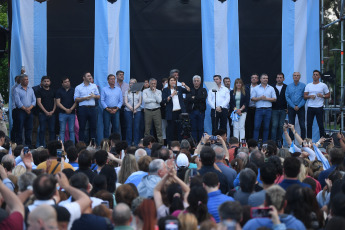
x=4, y=68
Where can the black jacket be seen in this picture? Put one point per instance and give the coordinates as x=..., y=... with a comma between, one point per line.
x=169, y=104
x=199, y=100
x=244, y=100
x=281, y=102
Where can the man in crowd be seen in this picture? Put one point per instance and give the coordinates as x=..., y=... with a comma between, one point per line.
x=279, y=109
x=294, y=97
x=196, y=106
x=152, y=98
x=25, y=100
x=122, y=217
x=292, y=167
x=120, y=76
x=43, y=217
x=222, y=100
x=315, y=93
x=85, y=94
x=47, y=105
x=112, y=100
x=254, y=79
x=66, y=104
x=336, y=156
x=227, y=171
x=263, y=95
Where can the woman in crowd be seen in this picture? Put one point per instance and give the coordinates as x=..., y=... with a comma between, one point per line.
x=132, y=114
x=239, y=100
x=172, y=96
x=129, y=166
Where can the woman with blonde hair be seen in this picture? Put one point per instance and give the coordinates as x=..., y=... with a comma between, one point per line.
x=129, y=166
x=188, y=221
x=239, y=101
x=132, y=114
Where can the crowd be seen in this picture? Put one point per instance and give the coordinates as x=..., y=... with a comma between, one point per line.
x=131, y=180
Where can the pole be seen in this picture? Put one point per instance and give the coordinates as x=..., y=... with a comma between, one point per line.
x=133, y=118
x=215, y=110
x=322, y=36
x=342, y=66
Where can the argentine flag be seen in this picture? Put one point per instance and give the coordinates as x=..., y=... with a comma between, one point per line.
x=321, y=157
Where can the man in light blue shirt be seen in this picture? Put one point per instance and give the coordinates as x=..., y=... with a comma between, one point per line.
x=25, y=100
x=85, y=94
x=263, y=95
x=294, y=97
x=14, y=109
x=111, y=100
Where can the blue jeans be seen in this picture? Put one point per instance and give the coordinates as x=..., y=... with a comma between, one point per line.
x=24, y=122
x=70, y=119
x=318, y=113
x=278, y=118
x=115, y=123
x=262, y=115
x=197, y=121
x=43, y=119
x=136, y=124
x=301, y=120
x=85, y=114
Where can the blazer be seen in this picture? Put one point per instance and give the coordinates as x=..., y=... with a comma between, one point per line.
x=244, y=100
x=169, y=104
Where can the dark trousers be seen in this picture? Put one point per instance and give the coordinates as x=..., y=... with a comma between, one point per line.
x=24, y=122
x=85, y=114
x=220, y=120
x=278, y=118
x=174, y=127
x=318, y=113
x=301, y=120
x=197, y=121
x=50, y=120
x=123, y=123
x=249, y=126
x=14, y=129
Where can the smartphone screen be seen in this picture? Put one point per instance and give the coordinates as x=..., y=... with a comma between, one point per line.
x=26, y=150
x=260, y=212
x=59, y=154
x=171, y=225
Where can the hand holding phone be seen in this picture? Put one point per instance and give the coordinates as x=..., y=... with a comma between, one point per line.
x=260, y=212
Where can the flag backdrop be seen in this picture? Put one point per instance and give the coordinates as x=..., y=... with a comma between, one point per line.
x=148, y=38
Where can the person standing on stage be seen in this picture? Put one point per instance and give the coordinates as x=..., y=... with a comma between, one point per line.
x=263, y=95
x=85, y=94
x=315, y=93
x=222, y=100
x=120, y=76
x=254, y=79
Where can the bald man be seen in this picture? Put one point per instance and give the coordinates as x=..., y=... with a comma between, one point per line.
x=43, y=217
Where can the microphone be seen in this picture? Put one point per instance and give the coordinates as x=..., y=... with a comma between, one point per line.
x=214, y=90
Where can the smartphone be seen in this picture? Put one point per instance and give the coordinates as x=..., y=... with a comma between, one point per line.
x=260, y=143
x=213, y=138
x=286, y=122
x=171, y=225
x=58, y=138
x=26, y=150
x=230, y=225
x=92, y=141
x=260, y=212
x=264, y=147
x=59, y=154
x=106, y=203
x=243, y=142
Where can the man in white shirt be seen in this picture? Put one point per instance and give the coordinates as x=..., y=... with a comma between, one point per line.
x=263, y=95
x=222, y=100
x=315, y=93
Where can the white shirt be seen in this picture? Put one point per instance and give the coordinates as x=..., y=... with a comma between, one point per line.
x=175, y=101
x=314, y=89
x=259, y=91
x=279, y=88
x=223, y=97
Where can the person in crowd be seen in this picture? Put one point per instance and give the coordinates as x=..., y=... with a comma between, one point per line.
x=47, y=105
x=215, y=197
x=157, y=169
x=336, y=156
x=229, y=172
x=84, y=162
x=254, y=80
x=85, y=94
x=230, y=212
x=279, y=108
x=275, y=199
x=263, y=95
x=196, y=106
x=315, y=93
x=111, y=99
x=220, y=112
x=146, y=215
x=132, y=114
x=122, y=217
x=25, y=101
x=43, y=217
x=291, y=170
x=186, y=221
x=139, y=153
x=152, y=98
x=239, y=101
x=295, y=98
x=143, y=165
x=247, y=185
x=173, y=98
x=268, y=174
x=208, y=157
x=65, y=102
x=124, y=86
x=72, y=155
x=129, y=165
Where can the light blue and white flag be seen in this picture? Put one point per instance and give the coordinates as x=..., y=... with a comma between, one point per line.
x=300, y=39
x=220, y=42
x=321, y=158
x=28, y=41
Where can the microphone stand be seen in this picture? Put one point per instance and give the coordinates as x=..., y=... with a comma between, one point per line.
x=133, y=92
x=215, y=107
